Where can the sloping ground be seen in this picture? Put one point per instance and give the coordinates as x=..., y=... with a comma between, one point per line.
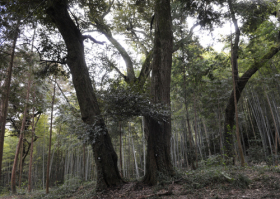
x=214, y=182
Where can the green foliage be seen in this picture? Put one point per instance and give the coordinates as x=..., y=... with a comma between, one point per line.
x=214, y=160
x=204, y=12
x=215, y=177
x=253, y=13
x=126, y=102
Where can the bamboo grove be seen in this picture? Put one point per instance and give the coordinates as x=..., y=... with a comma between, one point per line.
x=223, y=106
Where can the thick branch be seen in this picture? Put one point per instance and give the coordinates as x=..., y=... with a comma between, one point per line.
x=129, y=65
x=72, y=107
x=108, y=10
x=242, y=81
x=92, y=39
x=146, y=69
x=136, y=40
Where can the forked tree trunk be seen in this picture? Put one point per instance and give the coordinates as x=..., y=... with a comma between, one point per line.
x=6, y=93
x=105, y=156
x=158, y=153
x=239, y=86
x=234, y=64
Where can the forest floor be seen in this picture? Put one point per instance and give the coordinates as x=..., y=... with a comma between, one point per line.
x=218, y=182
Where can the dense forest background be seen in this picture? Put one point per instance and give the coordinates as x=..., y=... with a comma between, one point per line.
x=222, y=106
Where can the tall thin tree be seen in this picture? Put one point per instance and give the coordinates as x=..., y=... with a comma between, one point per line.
x=50, y=141
x=13, y=178
x=6, y=93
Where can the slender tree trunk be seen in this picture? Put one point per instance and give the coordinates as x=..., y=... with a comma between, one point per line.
x=144, y=145
x=158, y=154
x=121, y=167
x=192, y=157
x=234, y=56
x=134, y=155
x=207, y=137
x=275, y=127
x=242, y=160
x=20, y=162
x=6, y=93
x=195, y=131
x=105, y=156
x=13, y=180
x=50, y=142
x=31, y=153
x=84, y=162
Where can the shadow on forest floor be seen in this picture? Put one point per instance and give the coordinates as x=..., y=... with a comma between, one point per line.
x=209, y=182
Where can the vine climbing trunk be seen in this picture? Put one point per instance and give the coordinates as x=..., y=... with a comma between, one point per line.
x=158, y=162
x=106, y=159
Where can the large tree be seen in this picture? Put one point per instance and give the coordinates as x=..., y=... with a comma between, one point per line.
x=252, y=16
x=158, y=154
x=104, y=154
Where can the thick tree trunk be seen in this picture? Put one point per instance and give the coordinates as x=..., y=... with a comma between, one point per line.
x=105, y=156
x=5, y=98
x=158, y=153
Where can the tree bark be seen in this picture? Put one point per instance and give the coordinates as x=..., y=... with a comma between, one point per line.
x=105, y=156
x=158, y=154
x=121, y=166
x=50, y=142
x=5, y=98
x=31, y=153
x=13, y=178
x=234, y=63
x=277, y=140
x=239, y=86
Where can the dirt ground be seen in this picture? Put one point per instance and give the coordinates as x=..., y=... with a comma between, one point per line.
x=211, y=183
x=251, y=183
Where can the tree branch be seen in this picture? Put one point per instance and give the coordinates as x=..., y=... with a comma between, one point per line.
x=113, y=66
x=146, y=69
x=92, y=39
x=185, y=40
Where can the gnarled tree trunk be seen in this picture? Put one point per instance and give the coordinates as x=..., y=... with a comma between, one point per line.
x=104, y=154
